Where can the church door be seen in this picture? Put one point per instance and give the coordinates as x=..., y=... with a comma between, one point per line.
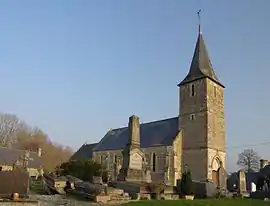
x=215, y=176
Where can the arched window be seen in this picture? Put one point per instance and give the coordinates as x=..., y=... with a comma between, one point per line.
x=154, y=162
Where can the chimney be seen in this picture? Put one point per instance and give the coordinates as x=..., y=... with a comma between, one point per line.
x=134, y=130
x=263, y=163
x=39, y=151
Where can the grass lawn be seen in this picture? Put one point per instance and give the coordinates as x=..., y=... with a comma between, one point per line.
x=36, y=187
x=201, y=202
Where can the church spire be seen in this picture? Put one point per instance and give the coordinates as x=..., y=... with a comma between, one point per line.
x=201, y=66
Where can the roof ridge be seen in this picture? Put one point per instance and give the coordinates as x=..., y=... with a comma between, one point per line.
x=19, y=150
x=161, y=120
x=144, y=123
x=89, y=144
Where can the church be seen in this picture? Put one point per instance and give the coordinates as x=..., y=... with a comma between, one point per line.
x=194, y=138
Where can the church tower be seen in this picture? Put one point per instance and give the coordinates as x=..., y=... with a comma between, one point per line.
x=201, y=117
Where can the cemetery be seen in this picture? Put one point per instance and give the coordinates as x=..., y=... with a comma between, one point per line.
x=180, y=160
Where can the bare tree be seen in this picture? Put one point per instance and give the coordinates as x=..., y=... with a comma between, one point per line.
x=10, y=126
x=249, y=160
x=17, y=134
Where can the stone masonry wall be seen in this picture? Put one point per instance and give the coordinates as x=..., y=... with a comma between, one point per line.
x=160, y=152
x=201, y=118
x=193, y=123
x=216, y=121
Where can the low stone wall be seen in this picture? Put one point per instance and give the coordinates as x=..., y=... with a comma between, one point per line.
x=169, y=197
x=18, y=203
x=131, y=188
x=204, y=189
x=201, y=189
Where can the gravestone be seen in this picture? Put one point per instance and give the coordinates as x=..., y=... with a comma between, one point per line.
x=165, y=177
x=116, y=168
x=242, y=182
x=148, y=177
x=253, y=187
x=97, y=180
x=222, y=179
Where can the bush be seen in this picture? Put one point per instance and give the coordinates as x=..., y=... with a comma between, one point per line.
x=186, y=183
x=82, y=169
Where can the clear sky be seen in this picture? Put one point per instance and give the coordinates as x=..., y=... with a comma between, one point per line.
x=78, y=68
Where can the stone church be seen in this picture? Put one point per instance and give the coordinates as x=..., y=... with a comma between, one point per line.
x=195, y=138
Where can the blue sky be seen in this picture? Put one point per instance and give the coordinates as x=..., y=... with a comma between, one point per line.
x=78, y=68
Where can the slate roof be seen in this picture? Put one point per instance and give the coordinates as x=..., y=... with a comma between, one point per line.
x=85, y=152
x=158, y=133
x=201, y=66
x=14, y=181
x=9, y=156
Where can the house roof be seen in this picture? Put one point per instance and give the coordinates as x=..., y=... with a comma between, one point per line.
x=14, y=181
x=85, y=151
x=201, y=66
x=158, y=133
x=9, y=156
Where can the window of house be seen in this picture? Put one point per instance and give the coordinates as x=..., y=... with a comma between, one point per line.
x=154, y=162
x=192, y=116
x=0, y=168
x=192, y=90
x=115, y=158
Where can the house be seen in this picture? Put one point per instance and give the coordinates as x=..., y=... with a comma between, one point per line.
x=11, y=158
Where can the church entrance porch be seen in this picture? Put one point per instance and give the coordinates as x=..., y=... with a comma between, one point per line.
x=219, y=175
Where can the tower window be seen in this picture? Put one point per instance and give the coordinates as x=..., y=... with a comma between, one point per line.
x=192, y=117
x=192, y=90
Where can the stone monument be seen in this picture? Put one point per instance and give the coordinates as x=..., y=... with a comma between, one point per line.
x=133, y=157
x=222, y=180
x=242, y=182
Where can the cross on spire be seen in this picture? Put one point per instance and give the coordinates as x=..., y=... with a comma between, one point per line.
x=201, y=66
x=199, y=17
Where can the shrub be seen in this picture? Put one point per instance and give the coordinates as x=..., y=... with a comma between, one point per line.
x=186, y=183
